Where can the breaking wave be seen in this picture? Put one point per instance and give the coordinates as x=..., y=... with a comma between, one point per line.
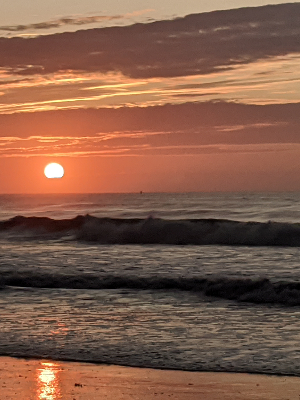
x=155, y=231
x=258, y=291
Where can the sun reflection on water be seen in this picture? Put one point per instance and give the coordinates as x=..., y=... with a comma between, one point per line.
x=48, y=387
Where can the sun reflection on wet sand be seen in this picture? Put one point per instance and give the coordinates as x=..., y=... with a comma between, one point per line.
x=48, y=384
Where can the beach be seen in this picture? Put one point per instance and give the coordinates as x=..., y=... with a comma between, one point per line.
x=52, y=380
x=150, y=200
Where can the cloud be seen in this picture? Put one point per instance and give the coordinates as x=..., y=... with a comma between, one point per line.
x=193, y=45
x=190, y=128
x=65, y=21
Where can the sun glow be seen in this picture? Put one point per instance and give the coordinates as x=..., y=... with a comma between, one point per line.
x=54, y=170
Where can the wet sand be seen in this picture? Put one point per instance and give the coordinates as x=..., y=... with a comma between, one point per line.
x=49, y=380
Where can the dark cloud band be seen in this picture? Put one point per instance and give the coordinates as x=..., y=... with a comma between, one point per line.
x=196, y=44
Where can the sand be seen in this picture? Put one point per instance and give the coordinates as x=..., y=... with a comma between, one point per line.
x=49, y=380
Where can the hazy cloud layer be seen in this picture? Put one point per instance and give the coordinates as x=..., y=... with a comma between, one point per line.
x=189, y=128
x=196, y=44
x=65, y=21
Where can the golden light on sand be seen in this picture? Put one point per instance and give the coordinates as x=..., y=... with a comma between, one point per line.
x=48, y=382
x=54, y=170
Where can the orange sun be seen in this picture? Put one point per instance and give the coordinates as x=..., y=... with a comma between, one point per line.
x=54, y=170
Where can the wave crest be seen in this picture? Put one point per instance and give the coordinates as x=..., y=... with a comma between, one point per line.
x=258, y=291
x=157, y=231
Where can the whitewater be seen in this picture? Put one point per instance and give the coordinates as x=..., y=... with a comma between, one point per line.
x=203, y=282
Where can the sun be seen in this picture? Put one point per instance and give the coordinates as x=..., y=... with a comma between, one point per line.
x=54, y=170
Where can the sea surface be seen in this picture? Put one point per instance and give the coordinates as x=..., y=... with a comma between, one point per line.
x=202, y=282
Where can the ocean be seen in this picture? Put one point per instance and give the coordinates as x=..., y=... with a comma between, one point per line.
x=200, y=282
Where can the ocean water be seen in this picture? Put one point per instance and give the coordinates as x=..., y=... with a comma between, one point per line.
x=203, y=282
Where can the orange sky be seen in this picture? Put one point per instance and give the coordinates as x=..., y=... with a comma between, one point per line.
x=206, y=102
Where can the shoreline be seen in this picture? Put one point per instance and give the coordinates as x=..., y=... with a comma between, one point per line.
x=43, y=379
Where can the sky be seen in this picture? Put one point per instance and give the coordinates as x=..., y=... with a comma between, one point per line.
x=150, y=95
